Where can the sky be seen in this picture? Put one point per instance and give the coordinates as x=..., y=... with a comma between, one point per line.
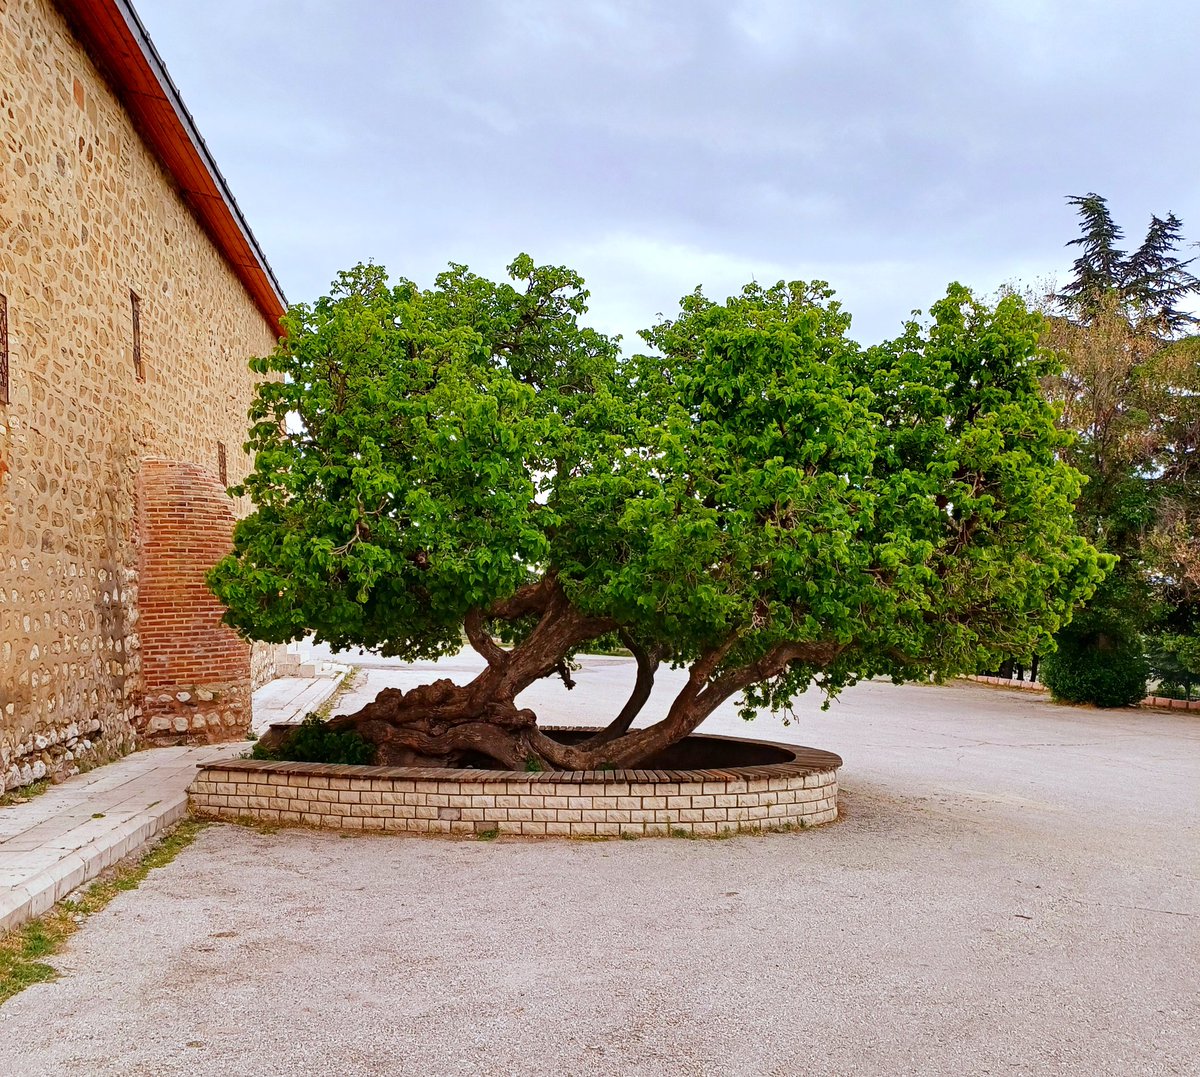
x=887, y=148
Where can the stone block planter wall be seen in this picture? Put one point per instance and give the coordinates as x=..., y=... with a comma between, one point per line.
x=577, y=804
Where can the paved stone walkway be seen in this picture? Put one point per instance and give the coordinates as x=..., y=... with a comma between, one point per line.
x=289, y=699
x=74, y=831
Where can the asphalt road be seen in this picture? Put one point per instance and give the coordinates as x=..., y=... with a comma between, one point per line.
x=1014, y=888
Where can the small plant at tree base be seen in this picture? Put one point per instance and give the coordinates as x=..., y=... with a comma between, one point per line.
x=759, y=500
x=312, y=741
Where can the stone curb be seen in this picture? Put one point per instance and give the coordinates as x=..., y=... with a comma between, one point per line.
x=1157, y=702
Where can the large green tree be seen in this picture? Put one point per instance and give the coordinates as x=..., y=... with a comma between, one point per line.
x=759, y=500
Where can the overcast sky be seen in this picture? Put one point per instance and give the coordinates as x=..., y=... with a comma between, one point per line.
x=886, y=147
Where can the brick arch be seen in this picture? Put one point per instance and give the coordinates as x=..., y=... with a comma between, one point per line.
x=195, y=671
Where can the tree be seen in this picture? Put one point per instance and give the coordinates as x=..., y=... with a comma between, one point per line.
x=1146, y=287
x=760, y=501
x=1129, y=391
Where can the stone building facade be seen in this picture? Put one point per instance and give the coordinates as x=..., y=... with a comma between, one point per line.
x=131, y=295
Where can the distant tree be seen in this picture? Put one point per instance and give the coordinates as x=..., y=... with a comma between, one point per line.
x=1128, y=390
x=1100, y=269
x=1157, y=280
x=760, y=501
x=1145, y=288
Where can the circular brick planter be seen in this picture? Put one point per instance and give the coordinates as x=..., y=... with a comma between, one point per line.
x=797, y=789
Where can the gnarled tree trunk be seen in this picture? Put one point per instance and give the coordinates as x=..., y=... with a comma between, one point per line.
x=445, y=724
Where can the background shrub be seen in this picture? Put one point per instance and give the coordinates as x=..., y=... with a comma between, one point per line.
x=1174, y=659
x=1104, y=670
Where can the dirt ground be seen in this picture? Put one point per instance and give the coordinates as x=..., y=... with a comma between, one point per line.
x=1014, y=888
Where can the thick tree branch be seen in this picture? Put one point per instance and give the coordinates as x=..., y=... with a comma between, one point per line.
x=647, y=665
x=696, y=700
x=481, y=639
x=561, y=629
x=532, y=598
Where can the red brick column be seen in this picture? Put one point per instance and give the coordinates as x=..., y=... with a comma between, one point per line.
x=196, y=672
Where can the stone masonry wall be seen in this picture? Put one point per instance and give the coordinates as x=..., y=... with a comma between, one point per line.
x=87, y=216
x=603, y=803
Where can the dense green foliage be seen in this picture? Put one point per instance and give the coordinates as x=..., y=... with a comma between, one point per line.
x=761, y=495
x=1081, y=671
x=312, y=741
x=1174, y=658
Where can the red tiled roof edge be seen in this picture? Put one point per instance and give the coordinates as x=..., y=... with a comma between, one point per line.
x=118, y=44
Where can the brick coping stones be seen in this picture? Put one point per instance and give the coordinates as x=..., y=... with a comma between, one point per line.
x=799, y=792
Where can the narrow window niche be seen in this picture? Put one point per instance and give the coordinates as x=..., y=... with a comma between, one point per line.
x=222, y=464
x=135, y=306
x=3, y=348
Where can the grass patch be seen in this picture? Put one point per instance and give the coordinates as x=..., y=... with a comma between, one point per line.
x=348, y=681
x=23, y=949
x=25, y=793
x=491, y=834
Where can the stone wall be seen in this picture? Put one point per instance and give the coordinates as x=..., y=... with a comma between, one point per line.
x=268, y=661
x=588, y=804
x=88, y=218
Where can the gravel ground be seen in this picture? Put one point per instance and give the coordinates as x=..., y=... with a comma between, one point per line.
x=1014, y=888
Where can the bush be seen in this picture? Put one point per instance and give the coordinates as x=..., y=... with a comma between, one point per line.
x=312, y=741
x=1175, y=660
x=1097, y=669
